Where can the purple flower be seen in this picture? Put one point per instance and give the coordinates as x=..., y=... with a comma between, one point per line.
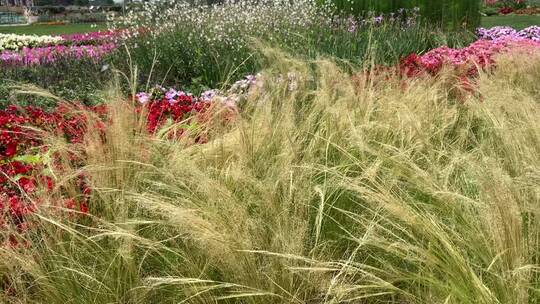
x=171, y=94
x=161, y=88
x=143, y=97
x=208, y=95
x=532, y=32
x=353, y=25
x=498, y=32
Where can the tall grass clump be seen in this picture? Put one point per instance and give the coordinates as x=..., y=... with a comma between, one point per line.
x=206, y=46
x=323, y=189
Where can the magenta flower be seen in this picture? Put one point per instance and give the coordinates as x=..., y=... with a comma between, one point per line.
x=49, y=55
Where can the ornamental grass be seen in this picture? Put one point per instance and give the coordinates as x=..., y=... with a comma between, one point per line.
x=334, y=190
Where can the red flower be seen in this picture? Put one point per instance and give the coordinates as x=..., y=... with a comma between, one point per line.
x=506, y=10
x=10, y=150
x=21, y=182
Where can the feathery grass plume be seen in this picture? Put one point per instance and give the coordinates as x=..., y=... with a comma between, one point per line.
x=330, y=190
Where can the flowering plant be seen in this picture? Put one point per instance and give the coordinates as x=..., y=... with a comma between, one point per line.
x=479, y=54
x=93, y=38
x=49, y=55
x=24, y=157
x=497, y=32
x=403, y=18
x=16, y=42
x=513, y=4
x=23, y=50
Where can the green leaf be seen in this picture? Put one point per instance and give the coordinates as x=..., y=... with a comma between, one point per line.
x=28, y=159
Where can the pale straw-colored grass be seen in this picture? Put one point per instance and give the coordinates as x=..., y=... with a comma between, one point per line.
x=341, y=191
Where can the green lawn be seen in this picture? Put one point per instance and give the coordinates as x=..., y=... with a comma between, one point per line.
x=52, y=29
x=518, y=22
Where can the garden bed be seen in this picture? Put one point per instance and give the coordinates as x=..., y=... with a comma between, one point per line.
x=363, y=159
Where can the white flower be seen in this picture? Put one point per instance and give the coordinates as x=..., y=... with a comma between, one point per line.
x=16, y=42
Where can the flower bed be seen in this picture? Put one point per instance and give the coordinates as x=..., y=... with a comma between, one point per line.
x=505, y=7
x=49, y=55
x=23, y=50
x=94, y=37
x=497, y=32
x=23, y=174
x=15, y=42
x=479, y=54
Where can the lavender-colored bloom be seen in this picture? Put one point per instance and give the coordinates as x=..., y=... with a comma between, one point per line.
x=495, y=32
x=532, y=32
x=143, y=97
x=502, y=32
x=352, y=25
x=209, y=95
x=161, y=88
x=171, y=94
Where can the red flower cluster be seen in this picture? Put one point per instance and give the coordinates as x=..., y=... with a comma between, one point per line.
x=176, y=110
x=506, y=10
x=22, y=177
x=21, y=148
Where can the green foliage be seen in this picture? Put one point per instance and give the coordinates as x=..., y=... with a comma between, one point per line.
x=213, y=63
x=446, y=13
x=490, y=11
x=79, y=80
